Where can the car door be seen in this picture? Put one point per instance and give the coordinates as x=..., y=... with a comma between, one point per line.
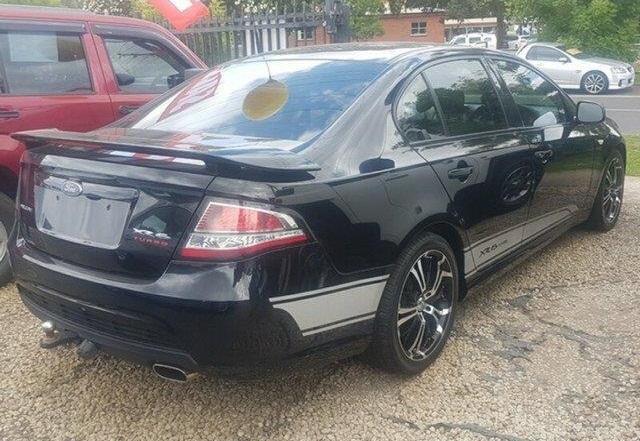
x=553, y=63
x=453, y=115
x=139, y=65
x=563, y=150
x=48, y=79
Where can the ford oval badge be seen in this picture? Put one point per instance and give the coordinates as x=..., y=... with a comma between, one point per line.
x=71, y=188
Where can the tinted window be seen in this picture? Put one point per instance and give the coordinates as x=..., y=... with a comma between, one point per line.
x=284, y=99
x=147, y=62
x=467, y=97
x=43, y=63
x=416, y=113
x=544, y=53
x=539, y=102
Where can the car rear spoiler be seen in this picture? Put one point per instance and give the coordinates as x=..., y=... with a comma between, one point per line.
x=259, y=157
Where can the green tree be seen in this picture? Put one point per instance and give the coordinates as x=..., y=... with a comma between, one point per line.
x=602, y=27
x=364, y=21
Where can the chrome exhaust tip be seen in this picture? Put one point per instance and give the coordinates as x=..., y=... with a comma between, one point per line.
x=172, y=373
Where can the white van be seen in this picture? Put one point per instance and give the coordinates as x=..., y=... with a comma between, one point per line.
x=478, y=39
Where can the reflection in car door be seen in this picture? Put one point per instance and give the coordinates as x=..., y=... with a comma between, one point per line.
x=563, y=150
x=452, y=113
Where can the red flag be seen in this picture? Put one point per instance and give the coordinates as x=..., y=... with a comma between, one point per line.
x=181, y=13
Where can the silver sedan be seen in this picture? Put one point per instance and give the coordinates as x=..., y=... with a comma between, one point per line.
x=573, y=69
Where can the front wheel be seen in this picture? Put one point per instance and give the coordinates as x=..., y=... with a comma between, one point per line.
x=595, y=83
x=608, y=202
x=417, y=308
x=7, y=215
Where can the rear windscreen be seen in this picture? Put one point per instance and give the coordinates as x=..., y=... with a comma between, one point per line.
x=283, y=99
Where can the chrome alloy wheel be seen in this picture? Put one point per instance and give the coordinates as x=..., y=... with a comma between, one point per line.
x=612, y=190
x=595, y=83
x=424, y=306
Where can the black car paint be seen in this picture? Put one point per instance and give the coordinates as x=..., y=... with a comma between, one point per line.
x=223, y=315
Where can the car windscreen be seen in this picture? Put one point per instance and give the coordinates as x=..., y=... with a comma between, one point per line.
x=280, y=99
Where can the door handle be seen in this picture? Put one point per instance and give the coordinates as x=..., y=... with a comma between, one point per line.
x=460, y=173
x=544, y=155
x=125, y=110
x=9, y=114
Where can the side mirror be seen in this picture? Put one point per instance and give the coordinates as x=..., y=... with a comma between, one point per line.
x=125, y=79
x=174, y=80
x=590, y=113
x=564, y=60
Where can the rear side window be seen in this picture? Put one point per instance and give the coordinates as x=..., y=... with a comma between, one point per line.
x=543, y=53
x=142, y=66
x=416, y=113
x=539, y=102
x=43, y=63
x=467, y=97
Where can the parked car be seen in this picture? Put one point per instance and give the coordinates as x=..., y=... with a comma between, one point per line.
x=477, y=39
x=515, y=42
x=306, y=205
x=78, y=71
x=573, y=69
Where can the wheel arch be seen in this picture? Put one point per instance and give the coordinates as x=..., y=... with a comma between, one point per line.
x=452, y=233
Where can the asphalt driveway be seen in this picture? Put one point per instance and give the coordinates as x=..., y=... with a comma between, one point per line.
x=548, y=351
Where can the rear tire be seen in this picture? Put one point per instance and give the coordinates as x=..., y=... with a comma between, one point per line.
x=608, y=202
x=417, y=308
x=7, y=215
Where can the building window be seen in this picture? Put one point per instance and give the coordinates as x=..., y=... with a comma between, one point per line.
x=305, y=34
x=419, y=28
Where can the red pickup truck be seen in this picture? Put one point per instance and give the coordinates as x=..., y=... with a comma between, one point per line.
x=74, y=70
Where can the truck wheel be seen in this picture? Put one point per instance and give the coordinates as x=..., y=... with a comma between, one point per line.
x=7, y=215
x=417, y=308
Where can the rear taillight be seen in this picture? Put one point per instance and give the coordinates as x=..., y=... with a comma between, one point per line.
x=230, y=230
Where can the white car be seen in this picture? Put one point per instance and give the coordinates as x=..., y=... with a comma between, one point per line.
x=515, y=42
x=573, y=69
x=475, y=39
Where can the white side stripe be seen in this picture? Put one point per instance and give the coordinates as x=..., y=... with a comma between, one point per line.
x=351, y=304
x=327, y=289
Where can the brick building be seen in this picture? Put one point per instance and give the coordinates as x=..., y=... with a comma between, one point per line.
x=420, y=27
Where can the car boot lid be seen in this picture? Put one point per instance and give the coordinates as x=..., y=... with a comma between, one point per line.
x=211, y=149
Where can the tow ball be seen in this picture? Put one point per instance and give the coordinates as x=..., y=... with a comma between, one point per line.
x=53, y=338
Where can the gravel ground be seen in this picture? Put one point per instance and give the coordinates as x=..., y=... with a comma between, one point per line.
x=549, y=351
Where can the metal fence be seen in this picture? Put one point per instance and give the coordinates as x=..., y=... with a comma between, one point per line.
x=220, y=39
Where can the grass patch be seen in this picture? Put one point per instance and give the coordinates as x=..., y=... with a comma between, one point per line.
x=633, y=154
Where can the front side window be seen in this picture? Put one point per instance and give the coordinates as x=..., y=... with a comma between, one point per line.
x=539, y=102
x=43, y=63
x=419, y=28
x=142, y=66
x=467, y=97
x=416, y=113
x=274, y=99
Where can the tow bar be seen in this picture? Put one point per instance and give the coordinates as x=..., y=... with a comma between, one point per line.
x=54, y=338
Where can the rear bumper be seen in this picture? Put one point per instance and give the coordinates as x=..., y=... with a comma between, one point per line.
x=229, y=328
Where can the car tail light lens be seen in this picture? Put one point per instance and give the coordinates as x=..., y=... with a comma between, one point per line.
x=228, y=231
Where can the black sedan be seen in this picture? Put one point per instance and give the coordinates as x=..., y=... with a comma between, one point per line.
x=306, y=205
